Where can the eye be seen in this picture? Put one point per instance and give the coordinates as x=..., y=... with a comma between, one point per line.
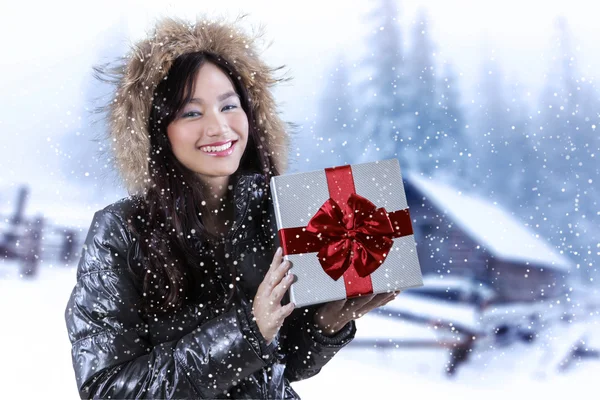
x=229, y=107
x=190, y=114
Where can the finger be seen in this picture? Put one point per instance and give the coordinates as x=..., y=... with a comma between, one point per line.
x=352, y=305
x=339, y=305
x=381, y=298
x=377, y=301
x=396, y=293
x=287, y=309
x=273, y=277
x=279, y=290
x=385, y=303
x=277, y=258
x=283, y=312
x=384, y=298
x=278, y=274
x=357, y=302
x=333, y=306
x=390, y=299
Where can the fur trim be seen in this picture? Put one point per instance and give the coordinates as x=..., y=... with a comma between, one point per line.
x=137, y=75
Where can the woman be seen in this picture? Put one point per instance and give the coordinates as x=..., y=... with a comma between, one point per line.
x=179, y=288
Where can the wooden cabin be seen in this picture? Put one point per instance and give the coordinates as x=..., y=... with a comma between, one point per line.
x=458, y=234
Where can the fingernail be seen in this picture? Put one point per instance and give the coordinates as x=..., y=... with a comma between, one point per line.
x=279, y=250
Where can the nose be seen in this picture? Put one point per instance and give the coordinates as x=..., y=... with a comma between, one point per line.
x=215, y=124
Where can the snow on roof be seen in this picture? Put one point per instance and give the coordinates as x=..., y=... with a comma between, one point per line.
x=490, y=225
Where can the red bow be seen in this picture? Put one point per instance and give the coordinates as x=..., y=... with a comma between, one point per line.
x=356, y=234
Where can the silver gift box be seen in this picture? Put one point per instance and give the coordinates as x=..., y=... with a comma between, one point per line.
x=297, y=197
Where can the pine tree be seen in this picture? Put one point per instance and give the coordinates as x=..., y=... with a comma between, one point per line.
x=567, y=206
x=456, y=152
x=491, y=130
x=384, y=117
x=423, y=78
x=521, y=186
x=335, y=127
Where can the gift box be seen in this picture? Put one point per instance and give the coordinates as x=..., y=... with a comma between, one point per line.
x=347, y=232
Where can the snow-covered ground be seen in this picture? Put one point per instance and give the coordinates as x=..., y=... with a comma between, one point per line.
x=36, y=360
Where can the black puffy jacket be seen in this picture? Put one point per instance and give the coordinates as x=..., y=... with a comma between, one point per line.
x=196, y=352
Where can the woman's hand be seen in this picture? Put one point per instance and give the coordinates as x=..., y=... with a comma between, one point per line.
x=332, y=317
x=267, y=308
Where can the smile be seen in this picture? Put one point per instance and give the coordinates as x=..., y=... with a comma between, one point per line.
x=219, y=151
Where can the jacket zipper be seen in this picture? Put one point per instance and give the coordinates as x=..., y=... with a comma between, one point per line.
x=231, y=236
x=229, y=245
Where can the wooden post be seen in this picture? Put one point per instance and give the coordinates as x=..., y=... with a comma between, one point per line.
x=17, y=217
x=68, y=245
x=9, y=244
x=32, y=245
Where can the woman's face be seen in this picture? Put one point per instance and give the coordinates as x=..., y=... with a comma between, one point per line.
x=210, y=133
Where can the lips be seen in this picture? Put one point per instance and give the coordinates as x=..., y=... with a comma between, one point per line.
x=221, y=153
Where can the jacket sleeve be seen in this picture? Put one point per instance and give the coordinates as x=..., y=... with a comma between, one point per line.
x=307, y=349
x=111, y=353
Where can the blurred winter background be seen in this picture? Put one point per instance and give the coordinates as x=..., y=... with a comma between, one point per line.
x=492, y=109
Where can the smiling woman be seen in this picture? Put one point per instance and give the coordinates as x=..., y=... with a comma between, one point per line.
x=210, y=131
x=180, y=290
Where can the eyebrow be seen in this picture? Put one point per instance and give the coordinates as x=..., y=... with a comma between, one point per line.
x=219, y=98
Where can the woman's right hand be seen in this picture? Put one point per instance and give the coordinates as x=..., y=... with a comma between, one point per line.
x=267, y=308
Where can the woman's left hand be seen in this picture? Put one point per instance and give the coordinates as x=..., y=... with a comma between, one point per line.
x=332, y=317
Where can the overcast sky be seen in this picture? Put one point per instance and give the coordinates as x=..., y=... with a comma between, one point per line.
x=49, y=48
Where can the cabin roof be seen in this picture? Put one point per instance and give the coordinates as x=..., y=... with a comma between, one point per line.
x=489, y=224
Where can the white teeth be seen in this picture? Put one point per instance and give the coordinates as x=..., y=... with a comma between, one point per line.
x=212, y=149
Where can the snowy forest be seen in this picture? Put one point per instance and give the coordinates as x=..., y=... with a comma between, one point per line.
x=533, y=153
x=528, y=152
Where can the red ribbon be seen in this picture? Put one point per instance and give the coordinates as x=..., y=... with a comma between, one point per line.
x=357, y=234
x=351, y=235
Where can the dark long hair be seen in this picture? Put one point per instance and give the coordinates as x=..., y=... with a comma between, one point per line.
x=172, y=224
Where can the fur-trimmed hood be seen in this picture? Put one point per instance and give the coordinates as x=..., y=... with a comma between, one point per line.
x=137, y=75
